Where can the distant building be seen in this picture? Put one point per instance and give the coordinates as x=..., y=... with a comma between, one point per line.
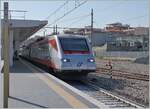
x=82, y=31
x=127, y=43
x=138, y=31
x=141, y=31
x=118, y=37
x=116, y=27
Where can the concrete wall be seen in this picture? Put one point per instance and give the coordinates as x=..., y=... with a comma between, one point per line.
x=121, y=54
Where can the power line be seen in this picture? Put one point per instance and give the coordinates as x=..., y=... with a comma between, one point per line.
x=57, y=9
x=79, y=17
x=63, y=15
x=79, y=4
x=78, y=20
x=67, y=13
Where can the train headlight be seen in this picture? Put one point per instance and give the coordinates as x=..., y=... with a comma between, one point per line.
x=91, y=60
x=65, y=60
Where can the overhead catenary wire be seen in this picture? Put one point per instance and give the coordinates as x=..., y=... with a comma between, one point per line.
x=78, y=20
x=79, y=4
x=75, y=18
x=68, y=20
x=59, y=8
x=67, y=13
x=77, y=7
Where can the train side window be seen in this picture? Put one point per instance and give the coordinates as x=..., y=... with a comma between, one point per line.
x=44, y=50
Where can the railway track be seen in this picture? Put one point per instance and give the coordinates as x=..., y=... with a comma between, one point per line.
x=124, y=74
x=105, y=97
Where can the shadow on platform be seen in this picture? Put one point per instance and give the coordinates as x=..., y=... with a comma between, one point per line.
x=24, y=101
x=19, y=67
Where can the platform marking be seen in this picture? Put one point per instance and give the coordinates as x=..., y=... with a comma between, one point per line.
x=75, y=103
x=87, y=97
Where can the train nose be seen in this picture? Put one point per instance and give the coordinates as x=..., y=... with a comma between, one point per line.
x=79, y=63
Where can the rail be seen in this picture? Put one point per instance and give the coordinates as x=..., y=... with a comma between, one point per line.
x=124, y=74
x=112, y=100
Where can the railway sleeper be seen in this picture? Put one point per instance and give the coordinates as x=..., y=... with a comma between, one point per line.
x=117, y=103
x=122, y=106
x=112, y=100
x=106, y=98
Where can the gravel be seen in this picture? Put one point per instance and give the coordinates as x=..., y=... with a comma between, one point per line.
x=127, y=66
x=135, y=90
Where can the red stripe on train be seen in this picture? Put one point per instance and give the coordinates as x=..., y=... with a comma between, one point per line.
x=76, y=52
x=53, y=44
x=47, y=63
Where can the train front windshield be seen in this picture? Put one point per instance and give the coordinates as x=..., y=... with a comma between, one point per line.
x=74, y=44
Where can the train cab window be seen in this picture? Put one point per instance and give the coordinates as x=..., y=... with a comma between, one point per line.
x=74, y=44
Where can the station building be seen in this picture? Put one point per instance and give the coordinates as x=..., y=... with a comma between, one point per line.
x=19, y=31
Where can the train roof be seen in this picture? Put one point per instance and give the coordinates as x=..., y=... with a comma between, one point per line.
x=40, y=38
x=68, y=36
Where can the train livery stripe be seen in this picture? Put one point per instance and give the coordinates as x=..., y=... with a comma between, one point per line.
x=76, y=52
x=53, y=44
x=47, y=63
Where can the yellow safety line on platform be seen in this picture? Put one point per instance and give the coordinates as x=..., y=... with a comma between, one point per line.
x=75, y=103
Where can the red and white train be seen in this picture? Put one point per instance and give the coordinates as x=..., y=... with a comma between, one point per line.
x=63, y=54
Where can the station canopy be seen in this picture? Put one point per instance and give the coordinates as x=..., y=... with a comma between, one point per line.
x=22, y=29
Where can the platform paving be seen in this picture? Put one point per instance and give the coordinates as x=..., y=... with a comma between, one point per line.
x=31, y=88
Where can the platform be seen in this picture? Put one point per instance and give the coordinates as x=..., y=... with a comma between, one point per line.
x=32, y=87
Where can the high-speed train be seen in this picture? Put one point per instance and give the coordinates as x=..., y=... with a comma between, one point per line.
x=62, y=54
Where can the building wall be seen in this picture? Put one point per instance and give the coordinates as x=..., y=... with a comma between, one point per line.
x=141, y=31
x=120, y=41
x=121, y=54
x=101, y=38
x=129, y=43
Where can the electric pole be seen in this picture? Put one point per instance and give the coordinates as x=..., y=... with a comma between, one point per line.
x=6, y=56
x=91, y=25
x=56, y=29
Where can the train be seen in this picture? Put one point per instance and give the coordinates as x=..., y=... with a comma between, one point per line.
x=62, y=54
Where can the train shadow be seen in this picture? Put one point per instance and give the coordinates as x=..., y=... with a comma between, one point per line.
x=19, y=67
x=109, y=84
x=80, y=85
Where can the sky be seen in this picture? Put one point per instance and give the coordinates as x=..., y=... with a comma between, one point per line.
x=132, y=12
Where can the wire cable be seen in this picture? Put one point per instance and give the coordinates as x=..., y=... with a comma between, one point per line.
x=59, y=8
x=79, y=17
x=78, y=21
x=67, y=13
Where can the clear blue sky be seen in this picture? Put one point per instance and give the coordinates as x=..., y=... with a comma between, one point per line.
x=133, y=12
